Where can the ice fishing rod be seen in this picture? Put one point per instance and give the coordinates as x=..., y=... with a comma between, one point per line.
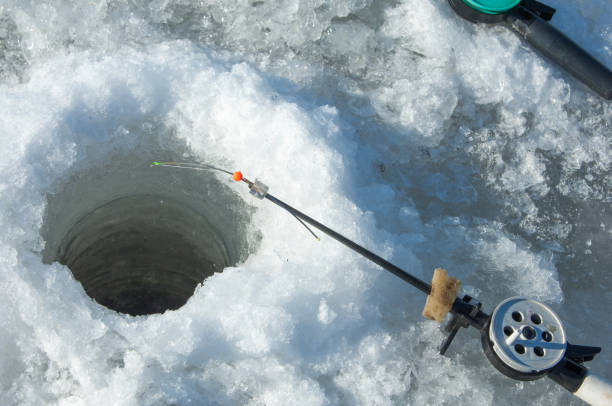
x=528, y=18
x=524, y=339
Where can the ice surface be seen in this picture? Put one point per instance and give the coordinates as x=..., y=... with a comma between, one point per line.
x=432, y=141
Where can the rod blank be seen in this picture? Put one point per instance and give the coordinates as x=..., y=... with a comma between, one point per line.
x=400, y=273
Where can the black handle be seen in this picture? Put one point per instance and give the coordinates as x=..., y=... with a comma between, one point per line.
x=556, y=46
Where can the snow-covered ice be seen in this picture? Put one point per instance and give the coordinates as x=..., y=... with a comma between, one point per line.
x=431, y=141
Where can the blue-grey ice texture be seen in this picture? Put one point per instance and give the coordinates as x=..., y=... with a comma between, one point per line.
x=430, y=140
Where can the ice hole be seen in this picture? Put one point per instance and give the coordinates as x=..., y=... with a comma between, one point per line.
x=140, y=238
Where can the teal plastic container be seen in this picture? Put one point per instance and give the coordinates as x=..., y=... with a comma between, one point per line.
x=492, y=6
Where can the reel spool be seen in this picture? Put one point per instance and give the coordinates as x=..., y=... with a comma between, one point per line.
x=483, y=11
x=524, y=339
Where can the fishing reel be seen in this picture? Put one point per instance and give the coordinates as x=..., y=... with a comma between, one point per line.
x=528, y=18
x=525, y=340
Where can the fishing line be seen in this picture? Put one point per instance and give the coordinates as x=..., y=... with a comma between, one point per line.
x=237, y=176
x=187, y=165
